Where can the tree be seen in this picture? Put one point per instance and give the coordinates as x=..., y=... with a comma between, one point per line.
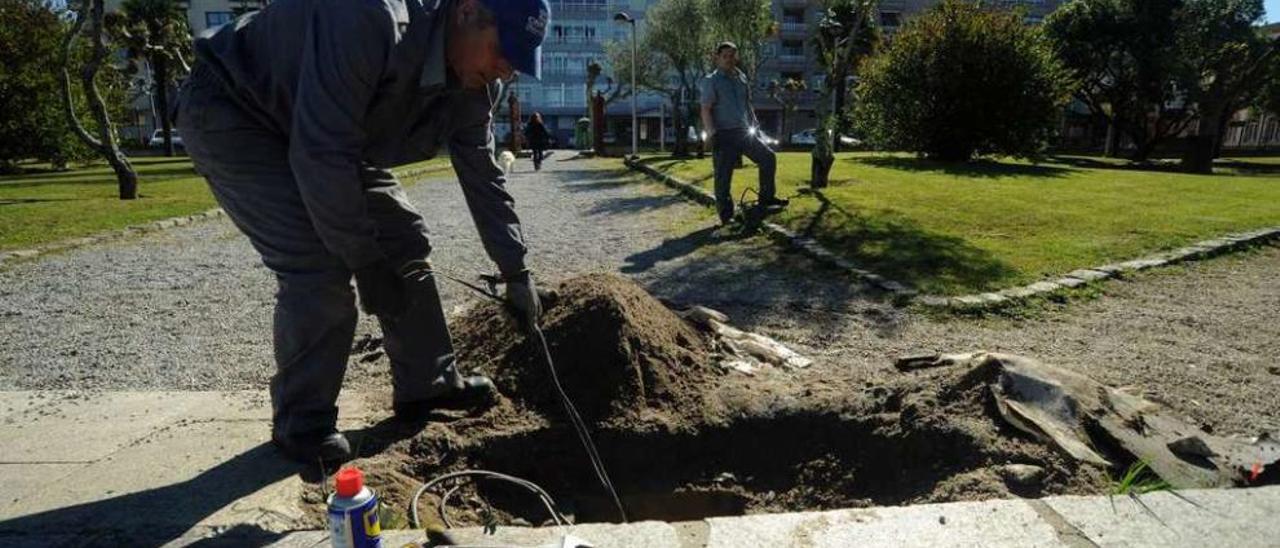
x=91, y=15
x=961, y=81
x=674, y=55
x=154, y=33
x=1233, y=60
x=788, y=94
x=746, y=23
x=845, y=36
x=1128, y=65
x=33, y=128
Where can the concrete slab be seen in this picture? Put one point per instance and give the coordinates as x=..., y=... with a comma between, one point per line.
x=1017, y=292
x=256, y=405
x=89, y=426
x=987, y=523
x=1088, y=275
x=1069, y=282
x=185, y=475
x=1231, y=517
x=1044, y=287
x=644, y=534
x=22, y=481
x=15, y=404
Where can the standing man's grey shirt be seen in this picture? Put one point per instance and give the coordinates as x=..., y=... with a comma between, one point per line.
x=353, y=81
x=729, y=97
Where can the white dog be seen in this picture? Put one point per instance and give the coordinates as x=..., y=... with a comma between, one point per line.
x=505, y=160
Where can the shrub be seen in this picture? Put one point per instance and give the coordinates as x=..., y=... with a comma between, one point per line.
x=962, y=80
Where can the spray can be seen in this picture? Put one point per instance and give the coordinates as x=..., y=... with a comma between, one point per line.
x=353, y=512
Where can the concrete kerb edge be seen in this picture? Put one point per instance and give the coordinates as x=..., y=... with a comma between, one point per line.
x=1197, y=251
x=8, y=257
x=778, y=233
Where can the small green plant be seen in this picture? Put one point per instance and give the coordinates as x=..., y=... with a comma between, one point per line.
x=1137, y=480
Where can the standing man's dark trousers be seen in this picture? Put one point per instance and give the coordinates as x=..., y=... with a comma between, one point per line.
x=247, y=167
x=537, y=158
x=728, y=146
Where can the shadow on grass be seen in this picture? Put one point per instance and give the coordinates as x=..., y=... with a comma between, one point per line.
x=1246, y=167
x=1120, y=164
x=81, y=178
x=667, y=164
x=978, y=169
x=22, y=201
x=901, y=250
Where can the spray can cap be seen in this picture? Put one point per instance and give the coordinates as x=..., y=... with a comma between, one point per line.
x=348, y=481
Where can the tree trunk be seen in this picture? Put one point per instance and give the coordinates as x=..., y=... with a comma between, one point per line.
x=1142, y=149
x=837, y=128
x=785, y=138
x=681, y=148
x=1223, y=121
x=1198, y=158
x=105, y=143
x=1112, y=139
x=161, y=75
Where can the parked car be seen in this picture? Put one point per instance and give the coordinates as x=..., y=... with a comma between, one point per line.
x=763, y=136
x=157, y=139
x=807, y=137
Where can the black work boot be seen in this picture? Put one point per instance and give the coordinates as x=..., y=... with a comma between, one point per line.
x=477, y=391
x=327, y=448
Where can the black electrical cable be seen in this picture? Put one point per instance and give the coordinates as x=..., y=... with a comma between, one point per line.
x=579, y=426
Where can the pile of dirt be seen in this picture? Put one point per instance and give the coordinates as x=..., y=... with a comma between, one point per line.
x=682, y=440
x=620, y=354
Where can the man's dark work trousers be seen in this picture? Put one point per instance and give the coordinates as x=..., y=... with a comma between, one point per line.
x=247, y=167
x=729, y=146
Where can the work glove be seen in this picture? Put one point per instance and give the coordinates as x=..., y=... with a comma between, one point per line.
x=381, y=290
x=523, y=297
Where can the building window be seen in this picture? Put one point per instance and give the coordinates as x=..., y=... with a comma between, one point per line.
x=577, y=4
x=793, y=48
x=890, y=19
x=217, y=18
x=793, y=16
x=574, y=34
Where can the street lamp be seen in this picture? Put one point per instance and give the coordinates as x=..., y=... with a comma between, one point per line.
x=624, y=17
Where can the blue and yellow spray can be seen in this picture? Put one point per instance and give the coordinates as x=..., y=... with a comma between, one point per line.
x=353, y=512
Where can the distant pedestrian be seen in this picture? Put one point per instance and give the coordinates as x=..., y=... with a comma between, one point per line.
x=538, y=138
x=732, y=129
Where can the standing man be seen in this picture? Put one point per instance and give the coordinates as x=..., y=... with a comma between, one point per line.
x=293, y=114
x=731, y=127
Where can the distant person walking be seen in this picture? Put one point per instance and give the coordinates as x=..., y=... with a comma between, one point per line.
x=730, y=123
x=538, y=138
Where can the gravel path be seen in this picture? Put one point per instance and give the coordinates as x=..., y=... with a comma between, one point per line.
x=190, y=308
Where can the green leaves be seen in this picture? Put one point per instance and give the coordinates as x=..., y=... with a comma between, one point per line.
x=962, y=81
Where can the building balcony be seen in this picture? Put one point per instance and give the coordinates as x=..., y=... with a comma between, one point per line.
x=789, y=62
x=789, y=30
x=795, y=3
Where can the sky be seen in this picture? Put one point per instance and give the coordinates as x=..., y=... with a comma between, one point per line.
x=1273, y=11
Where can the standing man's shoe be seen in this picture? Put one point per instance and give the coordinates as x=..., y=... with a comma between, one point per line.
x=477, y=391
x=331, y=448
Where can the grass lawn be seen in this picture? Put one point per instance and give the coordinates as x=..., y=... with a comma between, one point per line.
x=43, y=207
x=989, y=225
